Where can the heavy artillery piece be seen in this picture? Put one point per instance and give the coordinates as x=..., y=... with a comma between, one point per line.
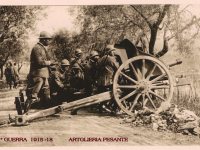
x=141, y=81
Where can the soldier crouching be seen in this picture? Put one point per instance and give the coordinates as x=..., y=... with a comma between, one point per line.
x=59, y=83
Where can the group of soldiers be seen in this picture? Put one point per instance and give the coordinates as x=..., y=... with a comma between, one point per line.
x=49, y=81
x=12, y=75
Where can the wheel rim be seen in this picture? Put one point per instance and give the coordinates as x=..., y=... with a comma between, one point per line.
x=142, y=81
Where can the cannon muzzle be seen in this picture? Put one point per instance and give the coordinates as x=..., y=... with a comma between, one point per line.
x=177, y=62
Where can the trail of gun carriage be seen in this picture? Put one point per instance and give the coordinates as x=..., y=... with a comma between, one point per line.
x=107, y=80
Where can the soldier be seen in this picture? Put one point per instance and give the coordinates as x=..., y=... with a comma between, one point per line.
x=91, y=72
x=77, y=76
x=77, y=71
x=77, y=57
x=78, y=53
x=39, y=71
x=9, y=74
x=60, y=82
x=107, y=66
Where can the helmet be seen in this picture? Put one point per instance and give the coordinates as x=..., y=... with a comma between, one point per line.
x=44, y=35
x=94, y=53
x=75, y=66
x=109, y=48
x=78, y=52
x=65, y=62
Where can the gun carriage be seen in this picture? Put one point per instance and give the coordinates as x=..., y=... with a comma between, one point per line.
x=141, y=81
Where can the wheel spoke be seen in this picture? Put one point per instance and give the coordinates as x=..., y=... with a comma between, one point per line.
x=160, y=87
x=129, y=95
x=151, y=101
x=143, y=68
x=129, y=78
x=139, y=73
x=127, y=86
x=160, y=83
x=143, y=100
x=125, y=104
x=135, y=72
x=158, y=78
x=151, y=72
x=135, y=101
x=155, y=94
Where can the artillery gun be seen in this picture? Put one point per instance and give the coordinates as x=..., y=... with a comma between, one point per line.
x=141, y=81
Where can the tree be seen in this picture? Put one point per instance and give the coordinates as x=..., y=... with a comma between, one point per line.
x=109, y=24
x=15, y=23
x=184, y=28
x=61, y=46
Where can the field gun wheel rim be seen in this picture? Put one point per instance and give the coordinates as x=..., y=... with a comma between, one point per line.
x=140, y=87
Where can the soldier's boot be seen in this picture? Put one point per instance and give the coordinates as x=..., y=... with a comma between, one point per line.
x=28, y=103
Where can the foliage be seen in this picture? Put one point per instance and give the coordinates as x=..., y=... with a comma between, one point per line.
x=15, y=24
x=184, y=28
x=101, y=25
x=110, y=24
x=61, y=46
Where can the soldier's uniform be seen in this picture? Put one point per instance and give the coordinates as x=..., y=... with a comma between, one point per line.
x=39, y=71
x=107, y=66
x=91, y=72
x=10, y=74
x=77, y=71
x=59, y=82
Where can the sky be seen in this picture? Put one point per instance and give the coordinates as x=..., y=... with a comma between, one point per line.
x=58, y=17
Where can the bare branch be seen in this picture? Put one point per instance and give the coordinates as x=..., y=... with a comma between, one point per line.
x=149, y=24
x=162, y=15
x=192, y=22
x=184, y=8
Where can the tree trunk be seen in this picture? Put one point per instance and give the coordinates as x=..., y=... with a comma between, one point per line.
x=152, y=40
x=1, y=76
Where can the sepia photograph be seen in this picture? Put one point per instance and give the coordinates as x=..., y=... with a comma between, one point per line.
x=100, y=75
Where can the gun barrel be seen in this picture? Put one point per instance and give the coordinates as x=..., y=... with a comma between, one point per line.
x=177, y=62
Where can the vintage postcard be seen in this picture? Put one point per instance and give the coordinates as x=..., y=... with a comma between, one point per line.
x=99, y=74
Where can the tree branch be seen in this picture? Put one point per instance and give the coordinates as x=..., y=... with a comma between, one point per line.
x=162, y=15
x=192, y=22
x=149, y=24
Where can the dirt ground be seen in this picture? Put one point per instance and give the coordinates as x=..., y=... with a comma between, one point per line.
x=84, y=129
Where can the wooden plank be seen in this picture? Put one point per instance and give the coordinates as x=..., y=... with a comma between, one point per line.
x=69, y=106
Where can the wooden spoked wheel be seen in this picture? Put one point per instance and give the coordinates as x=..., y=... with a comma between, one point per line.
x=142, y=81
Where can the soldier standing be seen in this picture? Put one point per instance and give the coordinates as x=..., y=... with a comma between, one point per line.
x=9, y=74
x=39, y=71
x=107, y=66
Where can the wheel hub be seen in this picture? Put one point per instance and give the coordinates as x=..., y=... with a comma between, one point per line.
x=143, y=86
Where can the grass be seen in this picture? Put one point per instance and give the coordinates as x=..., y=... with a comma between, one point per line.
x=183, y=96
